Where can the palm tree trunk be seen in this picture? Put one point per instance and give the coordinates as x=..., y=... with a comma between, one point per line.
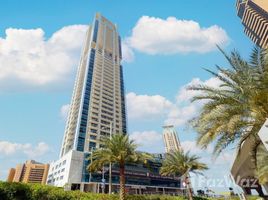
x=122, y=182
x=188, y=186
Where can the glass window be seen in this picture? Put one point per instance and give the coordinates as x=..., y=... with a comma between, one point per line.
x=92, y=144
x=93, y=137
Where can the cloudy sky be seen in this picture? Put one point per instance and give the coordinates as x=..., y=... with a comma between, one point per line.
x=166, y=45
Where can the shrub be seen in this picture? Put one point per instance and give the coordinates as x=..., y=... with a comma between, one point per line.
x=14, y=191
x=22, y=191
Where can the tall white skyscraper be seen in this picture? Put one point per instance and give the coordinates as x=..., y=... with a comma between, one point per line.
x=98, y=96
x=97, y=105
x=171, y=140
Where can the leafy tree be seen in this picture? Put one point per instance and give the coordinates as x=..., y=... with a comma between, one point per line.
x=262, y=165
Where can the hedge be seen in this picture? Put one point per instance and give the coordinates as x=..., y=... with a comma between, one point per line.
x=22, y=191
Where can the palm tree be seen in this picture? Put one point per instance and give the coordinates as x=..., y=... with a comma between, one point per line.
x=234, y=111
x=177, y=163
x=119, y=150
x=262, y=167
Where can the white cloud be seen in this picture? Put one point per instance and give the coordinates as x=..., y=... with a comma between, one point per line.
x=180, y=114
x=127, y=53
x=192, y=147
x=34, y=152
x=185, y=95
x=171, y=36
x=183, y=110
x=28, y=60
x=148, y=139
x=146, y=107
x=64, y=110
x=177, y=113
x=226, y=157
x=9, y=148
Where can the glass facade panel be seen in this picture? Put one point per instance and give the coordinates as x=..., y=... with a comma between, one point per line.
x=84, y=117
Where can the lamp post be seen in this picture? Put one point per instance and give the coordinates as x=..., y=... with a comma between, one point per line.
x=91, y=159
x=110, y=164
x=103, y=180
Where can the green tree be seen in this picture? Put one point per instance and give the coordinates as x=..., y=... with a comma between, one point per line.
x=178, y=163
x=262, y=166
x=119, y=150
x=234, y=111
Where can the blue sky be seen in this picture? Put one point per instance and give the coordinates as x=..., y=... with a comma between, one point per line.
x=34, y=90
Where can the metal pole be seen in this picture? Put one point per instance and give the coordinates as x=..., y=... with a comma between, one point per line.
x=103, y=183
x=90, y=174
x=110, y=165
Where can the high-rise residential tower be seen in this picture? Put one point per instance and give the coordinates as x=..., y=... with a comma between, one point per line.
x=171, y=140
x=98, y=96
x=254, y=16
x=97, y=110
x=98, y=102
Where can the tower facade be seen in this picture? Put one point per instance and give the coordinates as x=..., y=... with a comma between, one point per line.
x=97, y=107
x=98, y=101
x=171, y=140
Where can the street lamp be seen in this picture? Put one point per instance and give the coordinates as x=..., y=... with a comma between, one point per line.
x=91, y=159
x=110, y=164
x=103, y=180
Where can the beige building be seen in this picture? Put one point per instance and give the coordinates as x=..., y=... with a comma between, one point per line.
x=97, y=107
x=254, y=16
x=98, y=101
x=29, y=172
x=11, y=175
x=171, y=140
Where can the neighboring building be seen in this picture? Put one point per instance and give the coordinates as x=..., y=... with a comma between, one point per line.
x=18, y=173
x=11, y=175
x=98, y=105
x=171, y=140
x=254, y=16
x=29, y=172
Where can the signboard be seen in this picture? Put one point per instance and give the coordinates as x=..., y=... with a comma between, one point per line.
x=263, y=134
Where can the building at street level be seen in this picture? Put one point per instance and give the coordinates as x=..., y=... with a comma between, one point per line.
x=171, y=139
x=97, y=109
x=254, y=16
